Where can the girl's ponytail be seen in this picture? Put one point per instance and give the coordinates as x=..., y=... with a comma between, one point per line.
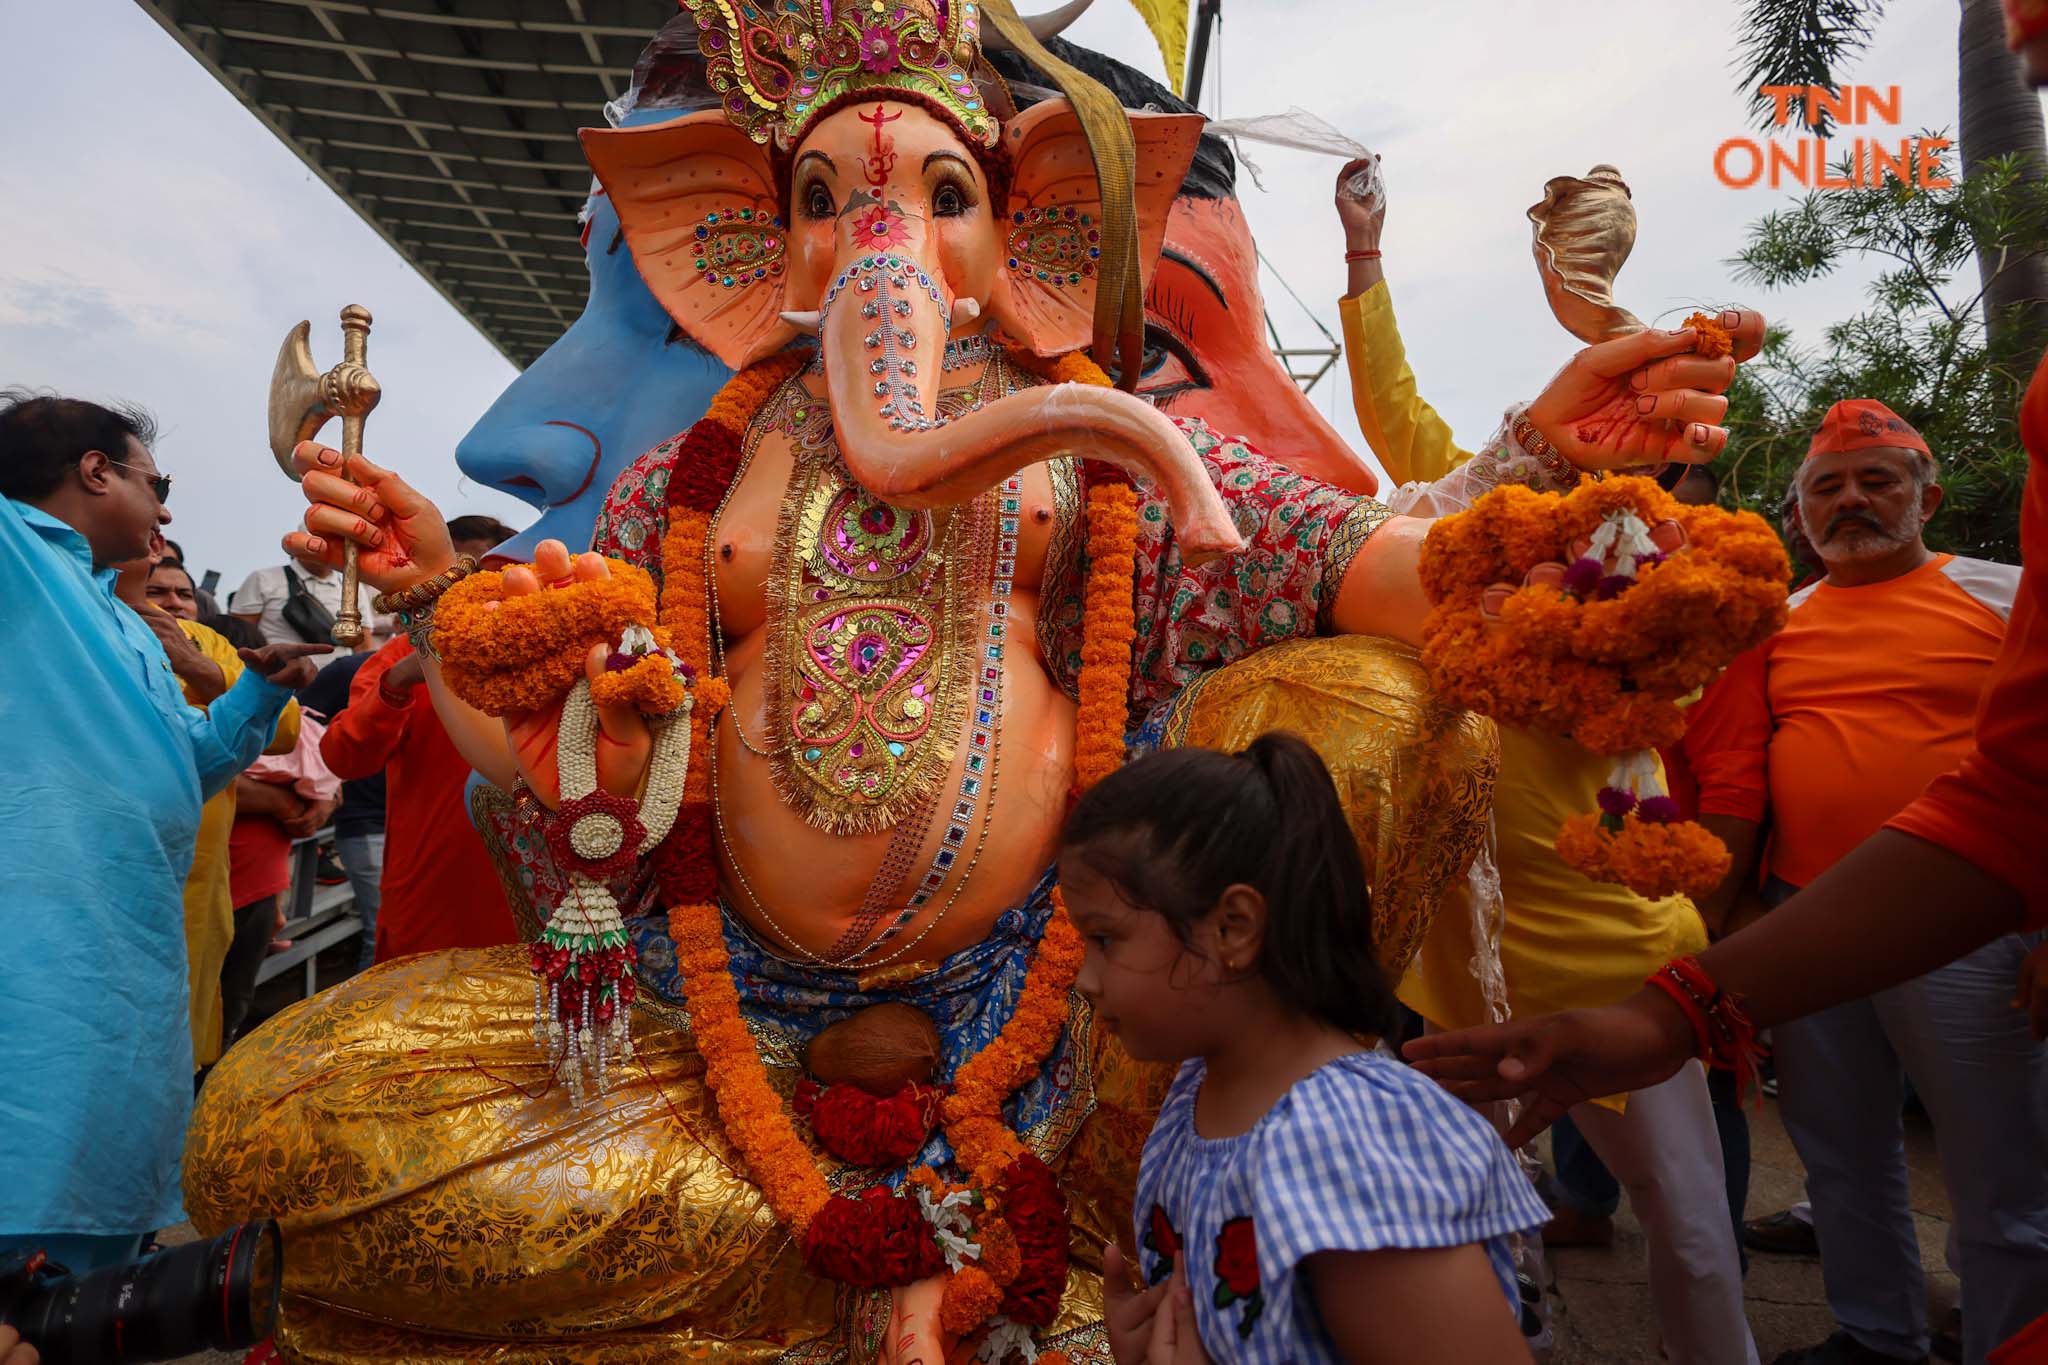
x=1319, y=934
x=1175, y=830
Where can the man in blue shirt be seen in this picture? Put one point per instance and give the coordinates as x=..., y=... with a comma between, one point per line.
x=102, y=771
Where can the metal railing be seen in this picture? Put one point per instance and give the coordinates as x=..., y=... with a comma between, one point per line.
x=316, y=917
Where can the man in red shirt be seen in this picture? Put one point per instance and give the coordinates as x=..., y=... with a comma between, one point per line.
x=440, y=888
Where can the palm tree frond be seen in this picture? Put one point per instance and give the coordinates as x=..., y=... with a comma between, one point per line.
x=1802, y=43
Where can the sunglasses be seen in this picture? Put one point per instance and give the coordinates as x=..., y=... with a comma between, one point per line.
x=159, y=484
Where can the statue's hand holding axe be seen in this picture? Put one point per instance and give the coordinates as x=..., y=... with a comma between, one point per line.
x=363, y=519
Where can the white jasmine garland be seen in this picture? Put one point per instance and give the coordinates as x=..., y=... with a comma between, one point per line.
x=1005, y=1339
x=950, y=1225
x=589, y=922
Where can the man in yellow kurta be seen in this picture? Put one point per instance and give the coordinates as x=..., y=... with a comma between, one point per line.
x=1566, y=941
x=206, y=665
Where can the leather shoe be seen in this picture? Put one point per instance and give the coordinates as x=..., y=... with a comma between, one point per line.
x=1843, y=1349
x=1781, y=1234
x=1570, y=1228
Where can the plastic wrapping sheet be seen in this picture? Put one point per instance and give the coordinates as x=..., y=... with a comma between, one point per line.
x=1305, y=132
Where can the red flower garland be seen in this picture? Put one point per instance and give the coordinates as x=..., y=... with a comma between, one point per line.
x=870, y=1130
x=562, y=824
x=1036, y=1210
x=875, y=1241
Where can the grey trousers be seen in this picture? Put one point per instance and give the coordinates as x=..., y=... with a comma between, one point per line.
x=362, y=857
x=1984, y=1082
x=1666, y=1153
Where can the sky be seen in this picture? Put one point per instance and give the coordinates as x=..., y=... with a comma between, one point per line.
x=156, y=242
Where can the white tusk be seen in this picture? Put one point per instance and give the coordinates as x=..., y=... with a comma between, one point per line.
x=807, y=323
x=1055, y=22
x=1041, y=26
x=964, y=312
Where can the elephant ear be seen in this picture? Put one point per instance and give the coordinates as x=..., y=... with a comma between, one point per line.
x=696, y=199
x=1045, y=291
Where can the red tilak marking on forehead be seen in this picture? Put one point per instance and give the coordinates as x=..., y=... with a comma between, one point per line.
x=878, y=166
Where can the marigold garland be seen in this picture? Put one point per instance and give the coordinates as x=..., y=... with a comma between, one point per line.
x=1652, y=858
x=1607, y=671
x=1607, y=657
x=1024, y=1223
x=506, y=653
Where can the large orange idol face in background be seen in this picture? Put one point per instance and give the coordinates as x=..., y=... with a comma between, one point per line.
x=1207, y=354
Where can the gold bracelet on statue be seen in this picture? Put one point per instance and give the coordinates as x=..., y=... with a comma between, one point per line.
x=426, y=593
x=1562, y=472
x=419, y=628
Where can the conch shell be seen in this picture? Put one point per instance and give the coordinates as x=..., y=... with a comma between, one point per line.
x=1584, y=232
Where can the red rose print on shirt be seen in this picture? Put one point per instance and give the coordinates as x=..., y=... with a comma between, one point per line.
x=1237, y=1273
x=1164, y=1244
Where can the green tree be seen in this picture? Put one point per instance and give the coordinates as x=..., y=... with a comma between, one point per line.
x=1921, y=345
x=1809, y=42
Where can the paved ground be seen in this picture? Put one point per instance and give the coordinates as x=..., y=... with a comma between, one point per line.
x=1602, y=1302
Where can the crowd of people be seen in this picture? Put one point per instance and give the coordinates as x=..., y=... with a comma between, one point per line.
x=190, y=750
x=1873, y=768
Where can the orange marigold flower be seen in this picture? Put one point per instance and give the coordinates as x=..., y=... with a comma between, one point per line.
x=1652, y=860
x=971, y=1299
x=651, y=685
x=1714, y=340
x=1607, y=672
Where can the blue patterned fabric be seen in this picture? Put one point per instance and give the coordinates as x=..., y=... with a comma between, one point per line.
x=1362, y=1155
x=970, y=996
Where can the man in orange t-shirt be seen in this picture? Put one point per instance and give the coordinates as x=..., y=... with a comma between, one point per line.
x=1868, y=694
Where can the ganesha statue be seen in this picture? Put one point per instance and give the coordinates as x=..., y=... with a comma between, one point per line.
x=795, y=1069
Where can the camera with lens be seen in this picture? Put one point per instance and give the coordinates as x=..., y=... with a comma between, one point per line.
x=217, y=1295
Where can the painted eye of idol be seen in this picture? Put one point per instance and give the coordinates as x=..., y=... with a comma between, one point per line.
x=1169, y=369
x=817, y=200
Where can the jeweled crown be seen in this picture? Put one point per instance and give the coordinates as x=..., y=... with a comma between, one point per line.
x=779, y=64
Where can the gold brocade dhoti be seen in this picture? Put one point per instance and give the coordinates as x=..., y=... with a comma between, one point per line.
x=442, y=1200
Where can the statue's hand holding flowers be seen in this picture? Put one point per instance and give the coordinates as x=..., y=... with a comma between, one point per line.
x=1645, y=398
x=401, y=541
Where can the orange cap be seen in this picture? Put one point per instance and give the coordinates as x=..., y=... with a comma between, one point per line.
x=1860, y=423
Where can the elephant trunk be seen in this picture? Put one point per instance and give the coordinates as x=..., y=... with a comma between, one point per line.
x=882, y=334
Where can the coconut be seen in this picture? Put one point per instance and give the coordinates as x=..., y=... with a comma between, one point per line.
x=881, y=1049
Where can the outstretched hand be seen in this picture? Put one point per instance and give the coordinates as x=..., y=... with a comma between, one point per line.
x=1558, y=1060
x=287, y=665
x=1645, y=398
x=399, y=535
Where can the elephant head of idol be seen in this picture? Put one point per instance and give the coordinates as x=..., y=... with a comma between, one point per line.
x=624, y=377
x=867, y=179
x=1207, y=352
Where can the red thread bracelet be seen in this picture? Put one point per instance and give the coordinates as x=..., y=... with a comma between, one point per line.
x=1370, y=254
x=1726, y=1037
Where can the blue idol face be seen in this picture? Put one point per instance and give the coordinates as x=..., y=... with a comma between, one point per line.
x=618, y=383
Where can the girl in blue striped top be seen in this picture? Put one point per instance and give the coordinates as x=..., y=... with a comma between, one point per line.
x=1302, y=1198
